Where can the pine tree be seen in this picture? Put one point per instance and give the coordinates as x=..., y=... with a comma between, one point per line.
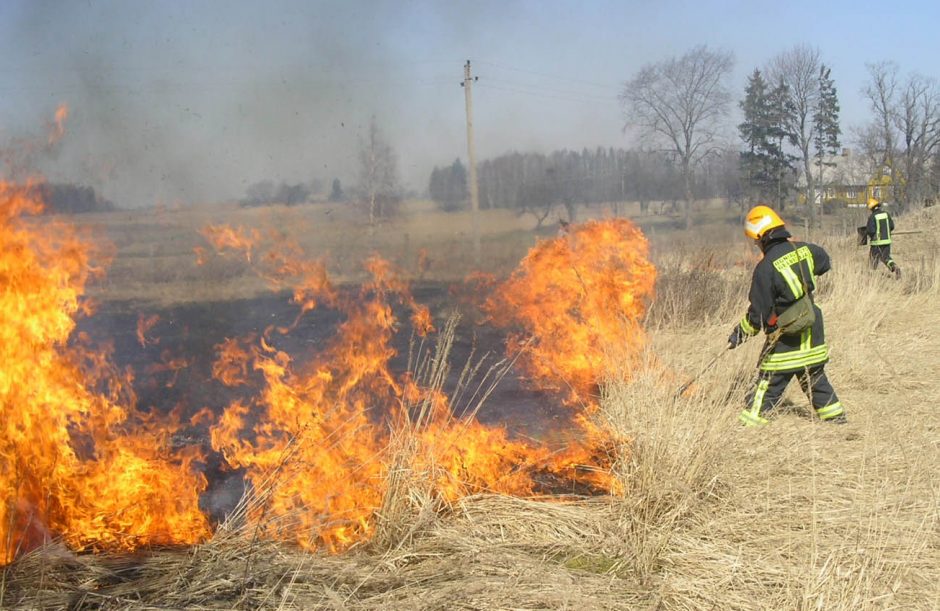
x=448, y=186
x=766, y=167
x=336, y=193
x=826, y=122
x=754, y=105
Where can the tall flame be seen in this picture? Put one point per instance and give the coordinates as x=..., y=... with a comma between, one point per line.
x=581, y=297
x=74, y=462
x=316, y=441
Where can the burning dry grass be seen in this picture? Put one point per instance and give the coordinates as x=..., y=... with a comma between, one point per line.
x=154, y=258
x=799, y=514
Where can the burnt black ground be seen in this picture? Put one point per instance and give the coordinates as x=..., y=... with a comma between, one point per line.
x=192, y=331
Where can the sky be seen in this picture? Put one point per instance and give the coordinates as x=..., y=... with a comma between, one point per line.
x=191, y=102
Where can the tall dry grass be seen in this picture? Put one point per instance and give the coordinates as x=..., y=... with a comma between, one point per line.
x=796, y=515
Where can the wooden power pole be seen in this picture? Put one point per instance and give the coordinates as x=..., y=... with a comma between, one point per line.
x=471, y=155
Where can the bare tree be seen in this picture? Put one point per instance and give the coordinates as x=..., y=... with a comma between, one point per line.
x=378, y=176
x=918, y=123
x=681, y=102
x=905, y=129
x=798, y=70
x=881, y=93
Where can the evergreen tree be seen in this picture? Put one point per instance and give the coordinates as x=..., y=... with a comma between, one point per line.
x=765, y=166
x=752, y=132
x=336, y=193
x=782, y=164
x=826, y=121
x=448, y=186
x=457, y=186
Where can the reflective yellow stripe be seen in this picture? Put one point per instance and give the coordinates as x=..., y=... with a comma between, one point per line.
x=796, y=355
x=747, y=328
x=785, y=263
x=795, y=359
x=806, y=340
x=880, y=239
x=759, y=393
x=751, y=417
x=830, y=411
x=747, y=419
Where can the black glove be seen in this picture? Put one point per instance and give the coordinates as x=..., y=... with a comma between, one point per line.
x=737, y=337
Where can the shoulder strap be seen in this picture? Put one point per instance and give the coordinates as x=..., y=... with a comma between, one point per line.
x=799, y=266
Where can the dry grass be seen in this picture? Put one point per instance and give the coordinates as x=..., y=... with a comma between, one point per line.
x=154, y=261
x=796, y=515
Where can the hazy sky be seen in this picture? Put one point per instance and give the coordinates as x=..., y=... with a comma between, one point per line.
x=193, y=101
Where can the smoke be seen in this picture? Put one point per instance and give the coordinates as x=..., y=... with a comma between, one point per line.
x=191, y=104
x=194, y=102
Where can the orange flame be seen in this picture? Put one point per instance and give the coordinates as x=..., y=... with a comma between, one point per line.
x=144, y=325
x=74, y=463
x=317, y=439
x=238, y=239
x=57, y=129
x=582, y=298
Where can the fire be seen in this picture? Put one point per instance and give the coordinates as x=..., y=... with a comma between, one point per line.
x=57, y=129
x=318, y=442
x=144, y=326
x=78, y=463
x=238, y=239
x=319, y=436
x=581, y=297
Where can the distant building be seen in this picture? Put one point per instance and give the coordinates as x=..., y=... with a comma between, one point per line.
x=849, y=180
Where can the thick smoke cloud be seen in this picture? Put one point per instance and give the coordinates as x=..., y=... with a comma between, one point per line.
x=194, y=104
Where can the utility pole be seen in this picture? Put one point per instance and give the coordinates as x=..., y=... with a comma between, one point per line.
x=471, y=155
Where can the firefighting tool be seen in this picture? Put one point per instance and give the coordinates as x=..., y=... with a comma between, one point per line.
x=863, y=234
x=704, y=370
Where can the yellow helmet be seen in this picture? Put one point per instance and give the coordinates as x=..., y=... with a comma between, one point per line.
x=872, y=202
x=760, y=220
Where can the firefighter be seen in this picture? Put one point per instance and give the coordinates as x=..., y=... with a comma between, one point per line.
x=785, y=274
x=880, y=226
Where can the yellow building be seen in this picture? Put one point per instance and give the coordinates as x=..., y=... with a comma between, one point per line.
x=849, y=180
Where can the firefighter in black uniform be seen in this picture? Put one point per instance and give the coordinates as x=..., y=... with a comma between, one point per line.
x=880, y=226
x=786, y=272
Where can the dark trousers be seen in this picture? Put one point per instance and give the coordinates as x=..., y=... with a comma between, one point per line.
x=768, y=391
x=881, y=254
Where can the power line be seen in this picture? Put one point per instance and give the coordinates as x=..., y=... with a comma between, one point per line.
x=549, y=96
x=539, y=89
x=554, y=77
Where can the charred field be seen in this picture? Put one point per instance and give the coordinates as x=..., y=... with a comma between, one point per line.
x=194, y=331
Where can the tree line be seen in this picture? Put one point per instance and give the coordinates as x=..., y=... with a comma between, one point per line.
x=558, y=182
x=69, y=198
x=680, y=110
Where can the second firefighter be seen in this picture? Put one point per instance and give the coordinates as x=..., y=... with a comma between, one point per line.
x=879, y=228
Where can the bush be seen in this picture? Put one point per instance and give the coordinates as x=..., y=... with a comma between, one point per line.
x=67, y=198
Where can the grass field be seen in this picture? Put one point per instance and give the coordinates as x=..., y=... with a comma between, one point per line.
x=796, y=515
x=153, y=258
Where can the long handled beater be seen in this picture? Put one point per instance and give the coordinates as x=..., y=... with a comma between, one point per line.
x=704, y=370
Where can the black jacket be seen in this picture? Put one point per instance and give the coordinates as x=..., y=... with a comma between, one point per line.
x=879, y=216
x=776, y=283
